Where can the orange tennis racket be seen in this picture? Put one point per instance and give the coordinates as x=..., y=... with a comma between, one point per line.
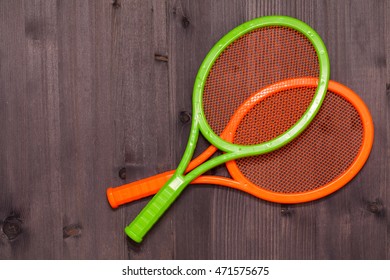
x=327, y=155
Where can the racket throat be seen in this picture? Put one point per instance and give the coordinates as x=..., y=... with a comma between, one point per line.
x=176, y=182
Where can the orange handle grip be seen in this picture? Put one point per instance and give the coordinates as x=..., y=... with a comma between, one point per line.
x=150, y=186
x=137, y=190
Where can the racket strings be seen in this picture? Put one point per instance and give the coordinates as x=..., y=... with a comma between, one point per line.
x=273, y=116
x=255, y=60
x=323, y=152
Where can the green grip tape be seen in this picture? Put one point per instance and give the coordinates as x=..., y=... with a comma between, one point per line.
x=155, y=209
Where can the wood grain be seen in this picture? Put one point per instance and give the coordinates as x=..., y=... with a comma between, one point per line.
x=148, y=116
x=30, y=163
x=98, y=93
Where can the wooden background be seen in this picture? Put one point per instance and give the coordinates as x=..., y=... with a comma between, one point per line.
x=98, y=93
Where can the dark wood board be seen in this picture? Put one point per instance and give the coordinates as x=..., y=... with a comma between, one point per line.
x=98, y=93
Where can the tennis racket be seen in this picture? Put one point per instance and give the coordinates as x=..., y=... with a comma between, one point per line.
x=344, y=128
x=254, y=55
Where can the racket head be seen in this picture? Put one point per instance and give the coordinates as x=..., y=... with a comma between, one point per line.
x=352, y=131
x=293, y=26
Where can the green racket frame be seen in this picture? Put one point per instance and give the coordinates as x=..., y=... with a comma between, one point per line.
x=171, y=190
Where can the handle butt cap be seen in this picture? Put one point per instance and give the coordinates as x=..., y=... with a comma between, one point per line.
x=133, y=235
x=111, y=198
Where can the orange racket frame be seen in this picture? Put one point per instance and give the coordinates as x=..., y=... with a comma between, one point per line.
x=149, y=186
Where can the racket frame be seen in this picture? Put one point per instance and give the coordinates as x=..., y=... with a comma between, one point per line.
x=336, y=183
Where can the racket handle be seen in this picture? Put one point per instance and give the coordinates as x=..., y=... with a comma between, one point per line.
x=149, y=186
x=137, y=190
x=155, y=208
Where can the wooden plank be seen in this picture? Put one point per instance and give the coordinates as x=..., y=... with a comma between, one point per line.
x=30, y=208
x=91, y=113
x=387, y=117
x=148, y=120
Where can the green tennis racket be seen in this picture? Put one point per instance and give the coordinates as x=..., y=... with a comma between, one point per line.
x=252, y=56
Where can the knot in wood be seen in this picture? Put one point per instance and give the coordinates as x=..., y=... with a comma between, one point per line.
x=122, y=173
x=184, y=117
x=185, y=22
x=12, y=227
x=375, y=207
x=73, y=230
x=116, y=4
x=285, y=211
